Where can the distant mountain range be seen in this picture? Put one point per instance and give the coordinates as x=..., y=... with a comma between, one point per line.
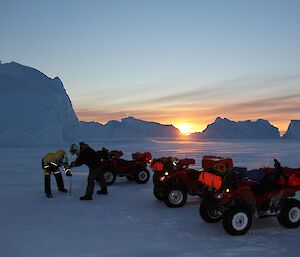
x=293, y=131
x=228, y=129
x=127, y=127
x=36, y=110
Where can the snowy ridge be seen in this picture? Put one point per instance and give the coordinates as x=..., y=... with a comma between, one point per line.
x=228, y=129
x=127, y=127
x=293, y=131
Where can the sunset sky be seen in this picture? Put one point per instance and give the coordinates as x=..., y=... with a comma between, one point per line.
x=181, y=62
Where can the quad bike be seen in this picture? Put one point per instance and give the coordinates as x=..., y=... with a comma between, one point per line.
x=235, y=198
x=135, y=169
x=173, y=180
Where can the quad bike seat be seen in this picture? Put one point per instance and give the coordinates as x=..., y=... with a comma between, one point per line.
x=193, y=174
x=255, y=175
x=115, y=154
x=184, y=163
x=263, y=188
x=270, y=180
x=128, y=162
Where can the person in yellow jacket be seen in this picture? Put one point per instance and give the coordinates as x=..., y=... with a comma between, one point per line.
x=51, y=163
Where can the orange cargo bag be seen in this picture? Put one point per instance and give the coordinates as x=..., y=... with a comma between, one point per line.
x=210, y=180
x=157, y=166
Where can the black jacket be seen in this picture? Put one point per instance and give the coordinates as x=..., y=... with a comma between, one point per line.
x=87, y=156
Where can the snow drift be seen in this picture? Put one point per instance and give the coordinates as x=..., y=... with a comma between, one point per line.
x=35, y=109
x=227, y=129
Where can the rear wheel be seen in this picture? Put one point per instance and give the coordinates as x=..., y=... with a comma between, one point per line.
x=142, y=176
x=208, y=213
x=109, y=177
x=289, y=215
x=175, y=197
x=237, y=220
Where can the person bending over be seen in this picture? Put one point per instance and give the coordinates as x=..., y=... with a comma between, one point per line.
x=88, y=156
x=51, y=163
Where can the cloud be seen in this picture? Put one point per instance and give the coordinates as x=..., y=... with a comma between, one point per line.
x=265, y=104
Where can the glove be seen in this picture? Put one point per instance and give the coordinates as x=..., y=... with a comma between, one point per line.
x=68, y=173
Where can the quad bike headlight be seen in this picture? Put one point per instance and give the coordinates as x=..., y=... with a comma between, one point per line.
x=220, y=195
x=162, y=178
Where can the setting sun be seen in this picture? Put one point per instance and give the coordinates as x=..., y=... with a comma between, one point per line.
x=188, y=127
x=185, y=129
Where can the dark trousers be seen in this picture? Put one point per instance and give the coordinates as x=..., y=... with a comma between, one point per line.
x=98, y=175
x=58, y=178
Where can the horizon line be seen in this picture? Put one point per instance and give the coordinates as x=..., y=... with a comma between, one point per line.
x=171, y=124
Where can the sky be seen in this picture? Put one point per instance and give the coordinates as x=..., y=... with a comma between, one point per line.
x=176, y=62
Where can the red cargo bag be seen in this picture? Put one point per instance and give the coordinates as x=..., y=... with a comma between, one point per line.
x=142, y=156
x=216, y=163
x=293, y=176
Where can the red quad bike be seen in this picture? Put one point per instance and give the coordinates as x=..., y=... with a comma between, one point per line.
x=235, y=197
x=173, y=180
x=135, y=169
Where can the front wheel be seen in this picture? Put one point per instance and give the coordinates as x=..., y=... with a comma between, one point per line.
x=175, y=197
x=109, y=177
x=142, y=176
x=208, y=213
x=289, y=215
x=158, y=194
x=237, y=220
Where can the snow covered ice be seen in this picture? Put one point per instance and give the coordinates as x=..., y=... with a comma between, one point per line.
x=130, y=222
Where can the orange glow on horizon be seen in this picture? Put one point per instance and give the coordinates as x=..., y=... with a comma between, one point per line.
x=187, y=125
x=188, y=128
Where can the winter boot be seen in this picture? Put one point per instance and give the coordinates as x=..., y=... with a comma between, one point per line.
x=103, y=191
x=86, y=197
x=49, y=195
x=63, y=190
